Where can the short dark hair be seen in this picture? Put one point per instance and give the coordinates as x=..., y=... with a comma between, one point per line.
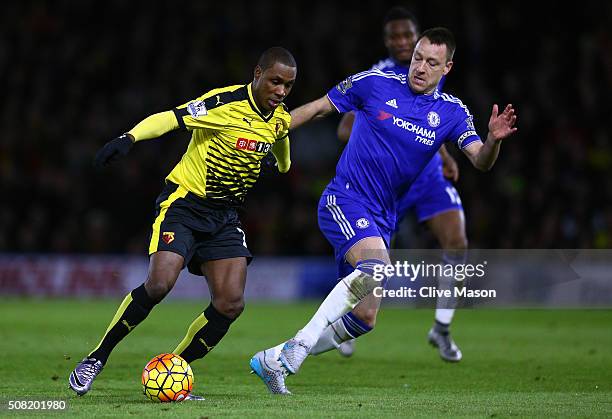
x=441, y=36
x=400, y=13
x=275, y=55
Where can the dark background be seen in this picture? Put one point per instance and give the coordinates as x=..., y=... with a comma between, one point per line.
x=73, y=75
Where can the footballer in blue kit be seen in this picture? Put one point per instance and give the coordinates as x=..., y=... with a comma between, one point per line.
x=431, y=193
x=395, y=135
x=389, y=147
x=432, y=198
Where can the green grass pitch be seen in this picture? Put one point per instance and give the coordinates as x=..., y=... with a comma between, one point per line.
x=516, y=363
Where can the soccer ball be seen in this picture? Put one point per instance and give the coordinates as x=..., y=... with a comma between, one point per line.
x=167, y=378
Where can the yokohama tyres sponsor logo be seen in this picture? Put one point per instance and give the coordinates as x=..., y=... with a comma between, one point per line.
x=409, y=126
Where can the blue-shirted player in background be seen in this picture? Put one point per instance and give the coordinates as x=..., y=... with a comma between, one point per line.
x=389, y=147
x=432, y=197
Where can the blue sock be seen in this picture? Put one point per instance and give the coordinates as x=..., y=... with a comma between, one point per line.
x=354, y=326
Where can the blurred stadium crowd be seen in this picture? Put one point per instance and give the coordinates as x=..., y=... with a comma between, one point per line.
x=76, y=74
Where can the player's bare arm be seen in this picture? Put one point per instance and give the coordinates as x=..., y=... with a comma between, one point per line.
x=312, y=110
x=501, y=126
x=152, y=126
x=450, y=169
x=345, y=126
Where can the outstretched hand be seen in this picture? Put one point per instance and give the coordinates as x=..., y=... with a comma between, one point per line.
x=269, y=165
x=502, y=125
x=113, y=150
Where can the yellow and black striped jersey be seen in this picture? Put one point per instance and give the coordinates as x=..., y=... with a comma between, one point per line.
x=230, y=137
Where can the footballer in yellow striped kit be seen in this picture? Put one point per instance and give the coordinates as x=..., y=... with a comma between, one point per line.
x=196, y=224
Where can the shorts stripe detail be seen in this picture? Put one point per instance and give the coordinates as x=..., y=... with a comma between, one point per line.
x=180, y=192
x=342, y=217
x=339, y=217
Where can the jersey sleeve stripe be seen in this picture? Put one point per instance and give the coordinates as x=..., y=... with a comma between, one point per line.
x=386, y=74
x=449, y=98
x=179, y=113
x=382, y=64
x=332, y=102
x=224, y=98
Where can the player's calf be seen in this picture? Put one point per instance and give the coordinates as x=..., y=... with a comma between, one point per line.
x=341, y=335
x=349, y=291
x=204, y=333
x=134, y=308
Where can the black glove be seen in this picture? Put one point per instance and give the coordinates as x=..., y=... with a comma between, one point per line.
x=269, y=166
x=113, y=150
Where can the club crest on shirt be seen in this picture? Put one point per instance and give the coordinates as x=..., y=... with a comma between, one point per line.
x=344, y=85
x=168, y=237
x=277, y=126
x=197, y=108
x=362, y=223
x=433, y=119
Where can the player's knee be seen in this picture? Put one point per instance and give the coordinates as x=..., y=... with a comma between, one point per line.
x=158, y=288
x=230, y=307
x=456, y=242
x=372, y=274
x=164, y=270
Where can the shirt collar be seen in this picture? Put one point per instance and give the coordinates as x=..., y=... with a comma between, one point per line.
x=254, y=106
